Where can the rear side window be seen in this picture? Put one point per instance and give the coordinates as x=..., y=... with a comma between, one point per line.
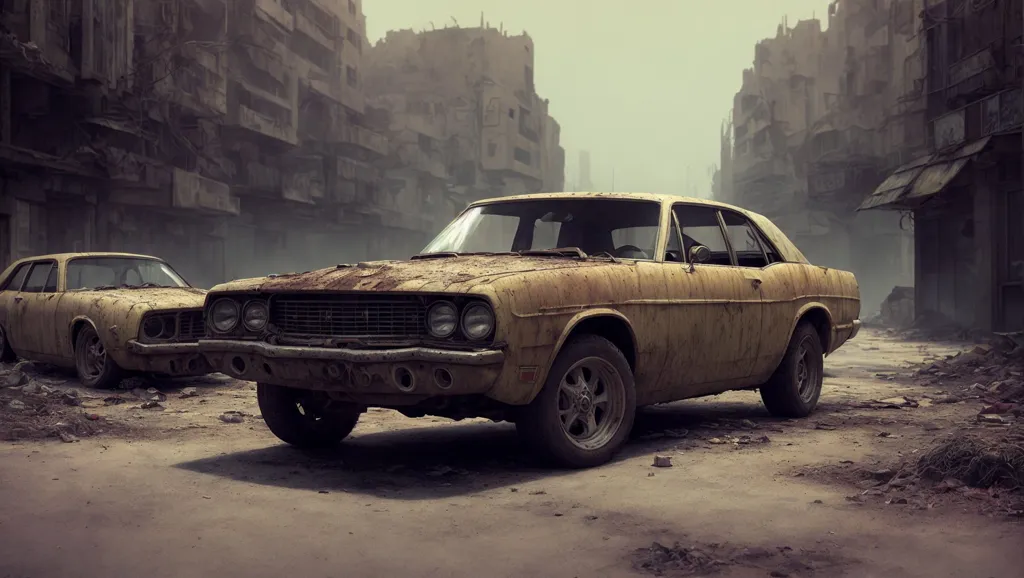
x=773, y=255
x=744, y=240
x=17, y=278
x=37, y=277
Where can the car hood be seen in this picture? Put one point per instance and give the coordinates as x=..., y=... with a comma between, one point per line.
x=152, y=298
x=448, y=274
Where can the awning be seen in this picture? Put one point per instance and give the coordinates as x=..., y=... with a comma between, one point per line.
x=922, y=177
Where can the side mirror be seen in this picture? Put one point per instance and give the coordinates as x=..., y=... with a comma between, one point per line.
x=699, y=254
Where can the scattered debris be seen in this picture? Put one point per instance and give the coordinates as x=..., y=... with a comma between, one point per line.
x=189, y=392
x=14, y=378
x=662, y=462
x=152, y=404
x=151, y=394
x=977, y=462
x=696, y=559
x=232, y=417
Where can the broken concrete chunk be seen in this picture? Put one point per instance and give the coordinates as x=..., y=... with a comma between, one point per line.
x=13, y=378
x=16, y=405
x=189, y=392
x=662, y=462
x=231, y=417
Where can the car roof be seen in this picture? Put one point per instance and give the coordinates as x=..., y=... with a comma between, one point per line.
x=654, y=197
x=69, y=256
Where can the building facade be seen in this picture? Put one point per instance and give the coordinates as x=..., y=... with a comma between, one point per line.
x=464, y=116
x=818, y=121
x=964, y=191
x=235, y=138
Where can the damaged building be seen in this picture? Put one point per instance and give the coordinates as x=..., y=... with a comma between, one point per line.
x=820, y=119
x=236, y=137
x=464, y=117
x=964, y=191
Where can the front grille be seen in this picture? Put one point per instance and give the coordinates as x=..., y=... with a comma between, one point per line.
x=348, y=316
x=190, y=326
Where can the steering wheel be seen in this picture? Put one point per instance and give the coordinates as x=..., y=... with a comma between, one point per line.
x=630, y=252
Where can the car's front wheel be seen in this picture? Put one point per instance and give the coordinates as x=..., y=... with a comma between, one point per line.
x=304, y=418
x=794, y=388
x=93, y=363
x=6, y=353
x=585, y=410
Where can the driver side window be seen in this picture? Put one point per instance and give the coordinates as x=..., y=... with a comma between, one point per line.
x=700, y=226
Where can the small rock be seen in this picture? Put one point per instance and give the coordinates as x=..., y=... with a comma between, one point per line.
x=14, y=378
x=717, y=441
x=748, y=424
x=67, y=438
x=982, y=350
x=986, y=418
x=662, y=462
x=92, y=416
x=897, y=501
x=70, y=397
x=114, y=400
x=882, y=475
x=189, y=392
x=151, y=394
x=152, y=404
x=16, y=405
x=231, y=417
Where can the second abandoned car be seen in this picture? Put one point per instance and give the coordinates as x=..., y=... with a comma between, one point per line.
x=102, y=313
x=560, y=312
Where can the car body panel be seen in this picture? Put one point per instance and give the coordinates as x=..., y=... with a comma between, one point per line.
x=694, y=329
x=41, y=326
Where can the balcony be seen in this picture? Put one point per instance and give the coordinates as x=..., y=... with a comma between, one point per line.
x=304, y=182
x=248, y=119
x=347, y=169
x=424, y=162
x=200, y=85
x=272, y=11
x=307, y=27
x=258, y=178
x=359, y=137
x=196, y=192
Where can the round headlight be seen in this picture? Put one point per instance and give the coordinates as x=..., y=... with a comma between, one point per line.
x=224, y=315
x=154, y=326
x=255, y=315
x=477, y=321
x=442, y=319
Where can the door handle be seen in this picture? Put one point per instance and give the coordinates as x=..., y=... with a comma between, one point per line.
x=18, y=299
x=755, y=283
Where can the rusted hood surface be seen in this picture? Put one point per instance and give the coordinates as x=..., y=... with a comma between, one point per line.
x=149, y=298
x=442, y=274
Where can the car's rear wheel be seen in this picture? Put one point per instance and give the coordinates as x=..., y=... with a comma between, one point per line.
x=305, y=418
x=795, y=387
x=93, y=363
x=585, y=411
x=6, y=353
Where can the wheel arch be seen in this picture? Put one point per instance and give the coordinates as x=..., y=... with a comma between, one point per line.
x=820, y=318
x=76, y=326
x=603, y=322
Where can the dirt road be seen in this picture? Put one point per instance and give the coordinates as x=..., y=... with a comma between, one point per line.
x=183, y=492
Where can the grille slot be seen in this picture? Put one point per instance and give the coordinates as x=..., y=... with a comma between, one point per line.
x=348, y=316
x=190, y=326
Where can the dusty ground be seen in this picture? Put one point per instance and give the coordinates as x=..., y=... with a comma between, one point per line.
x=187, y=488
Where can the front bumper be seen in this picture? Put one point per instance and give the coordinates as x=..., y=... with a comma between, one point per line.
x=409, y=370
x=174, y=359
x=856, y=328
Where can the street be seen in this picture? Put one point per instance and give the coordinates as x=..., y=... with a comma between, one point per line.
x=196, y=485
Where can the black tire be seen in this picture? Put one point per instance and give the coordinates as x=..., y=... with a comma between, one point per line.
x=540, y=423
x=306, y=419
x=95, y=367
x=6, y=353
x=795, y=387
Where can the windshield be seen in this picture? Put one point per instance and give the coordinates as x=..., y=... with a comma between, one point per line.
x=619, y=228
x=113, y=272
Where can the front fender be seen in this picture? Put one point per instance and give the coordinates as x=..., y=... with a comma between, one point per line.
x=567, y=331
x=112, y=336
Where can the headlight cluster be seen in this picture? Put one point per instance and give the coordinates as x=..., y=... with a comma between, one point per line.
x=476, y=321
x=159, y=326
x=226, y=315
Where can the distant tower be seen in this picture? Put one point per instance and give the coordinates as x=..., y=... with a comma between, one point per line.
x=585, y=183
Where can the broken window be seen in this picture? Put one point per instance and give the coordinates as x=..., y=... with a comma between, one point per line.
x=351, y=75
x=492, y=149
x=36, y=281
x=529, y=79
x=744, y=241
x=355, y=39
x=14, y=282
x=522, y=156
x=700, y=226
x=351, y=7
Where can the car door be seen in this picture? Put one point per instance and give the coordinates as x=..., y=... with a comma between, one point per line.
x=34, y=308
x=9, y=297
x=717, y=298
x=780, y=285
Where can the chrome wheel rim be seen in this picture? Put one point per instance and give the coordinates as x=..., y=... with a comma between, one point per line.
x=591, y=403
x=808, y=372
x=95, y=357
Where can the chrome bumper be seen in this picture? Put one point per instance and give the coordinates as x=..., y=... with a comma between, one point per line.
x=403, y=355
x=856, y=328
x=162, y=348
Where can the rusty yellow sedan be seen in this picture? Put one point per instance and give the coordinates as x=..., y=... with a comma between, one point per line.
x=560, y=312
x=105, y=314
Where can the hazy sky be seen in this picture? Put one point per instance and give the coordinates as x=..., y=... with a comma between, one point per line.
x=643, y=85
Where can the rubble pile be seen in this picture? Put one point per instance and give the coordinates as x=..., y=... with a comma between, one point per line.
x=898, y=308
x=976, y=462
x=704, y=559
x=992, y=373
x=32, y=409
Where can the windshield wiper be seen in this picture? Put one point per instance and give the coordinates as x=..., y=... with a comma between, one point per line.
x=439, y=255
x=557, y=252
